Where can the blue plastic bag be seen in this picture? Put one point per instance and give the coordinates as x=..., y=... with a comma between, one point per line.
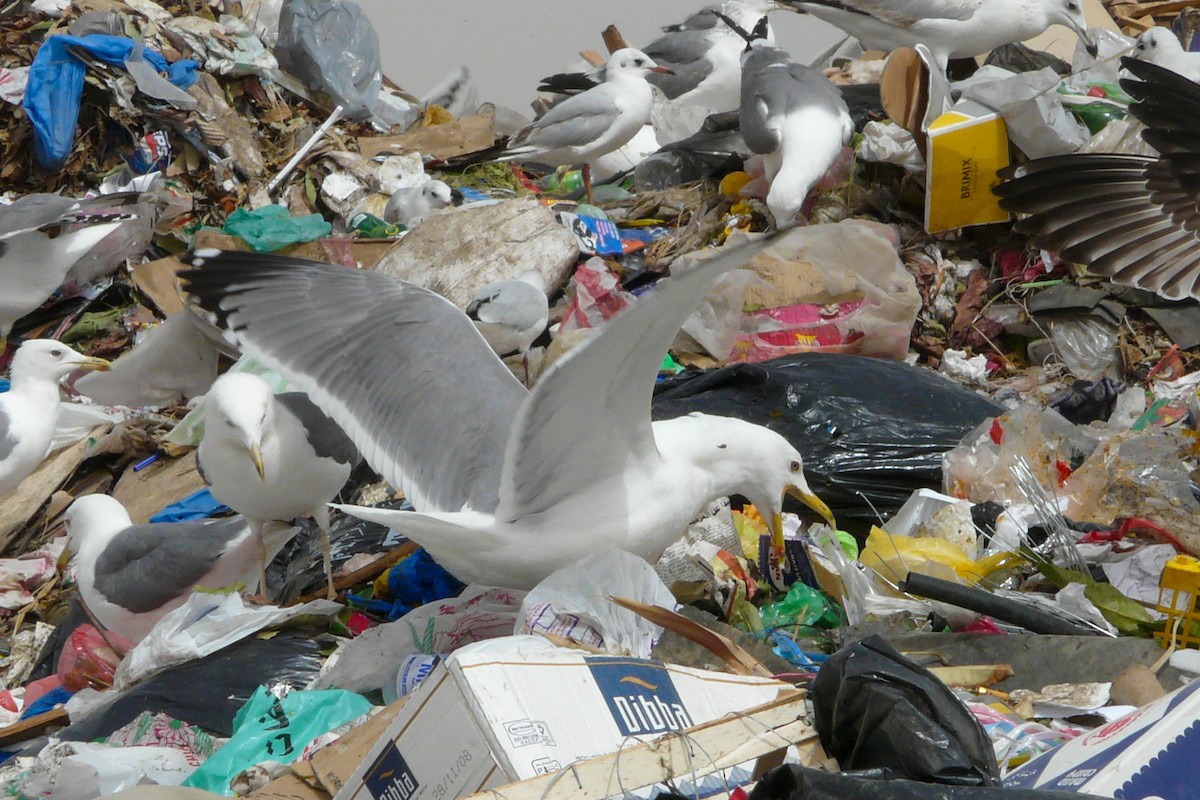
x=55, y=87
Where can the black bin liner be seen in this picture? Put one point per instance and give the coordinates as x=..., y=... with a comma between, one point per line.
x=793, y=782
x=863, y=425
x=876, y=710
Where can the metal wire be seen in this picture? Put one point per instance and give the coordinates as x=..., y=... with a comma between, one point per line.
x=1045, y=505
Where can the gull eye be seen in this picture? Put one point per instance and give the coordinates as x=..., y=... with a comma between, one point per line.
x=1072, y=6
x=794, y=466
x=638, y=62
x=56, y=353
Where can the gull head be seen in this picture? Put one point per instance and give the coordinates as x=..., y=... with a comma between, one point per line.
x=46, y=359
x=1156, y=42
x=91, y=519
x=760, y=465
x=243, y=405
x=1070, y=14
x=747, y=11
x=439, y=194
x=631, y=61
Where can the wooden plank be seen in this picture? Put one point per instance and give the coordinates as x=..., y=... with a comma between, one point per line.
x=700, y=750
x=466, y=135
x=34, y=726
x=22, y=504
x=156, y=280
x=164, y=482
x=362, y=574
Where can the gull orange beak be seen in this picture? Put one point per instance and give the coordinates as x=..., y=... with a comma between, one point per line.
x=256, y=456
x=662, y=70
x=93, y=364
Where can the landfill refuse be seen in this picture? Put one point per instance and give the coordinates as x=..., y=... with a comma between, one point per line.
x=961, y=560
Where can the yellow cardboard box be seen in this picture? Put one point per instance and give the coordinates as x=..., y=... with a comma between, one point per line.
x=967, y=144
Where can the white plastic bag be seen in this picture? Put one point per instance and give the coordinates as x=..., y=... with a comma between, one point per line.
x=574, y=603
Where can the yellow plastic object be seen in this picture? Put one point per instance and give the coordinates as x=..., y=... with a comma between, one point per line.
x=893, y=557
x=1178, y=589
x=733, y=183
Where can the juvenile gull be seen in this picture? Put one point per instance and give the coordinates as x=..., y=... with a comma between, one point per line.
x=130, y=576
x=949, y=28
x=29, y=409
x=272, y=457
x=795, y=118
x=1161, y=46
x=1132, y=219
x=598, y=121
x=410, y=205
x=509, y=484
x=511, y=314
x=41, y=236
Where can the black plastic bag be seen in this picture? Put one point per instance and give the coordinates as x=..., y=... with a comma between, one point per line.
x=793, y=782
x=865, y=427
x=332, y=47
x=876, y=710
x=209, y=691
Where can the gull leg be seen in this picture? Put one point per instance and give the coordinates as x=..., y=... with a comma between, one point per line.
x=260, y=550
x=525, y=363
x=321, y=517
x=587, y=183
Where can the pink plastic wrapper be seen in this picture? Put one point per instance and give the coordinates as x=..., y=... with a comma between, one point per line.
x=598, y=296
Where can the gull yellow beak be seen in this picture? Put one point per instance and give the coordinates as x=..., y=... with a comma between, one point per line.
x=64, y=559
x=256, y=456
x=91, y=363
x=804, y=495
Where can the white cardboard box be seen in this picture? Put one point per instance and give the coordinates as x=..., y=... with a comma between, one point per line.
x=1150, y=754
x=514, y=708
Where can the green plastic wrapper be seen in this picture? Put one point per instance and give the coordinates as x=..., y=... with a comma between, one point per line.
x=271, y=728
x=272, y=227
x=802, y=605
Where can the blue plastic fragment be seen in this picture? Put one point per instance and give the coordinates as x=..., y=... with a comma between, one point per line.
x=197, y=505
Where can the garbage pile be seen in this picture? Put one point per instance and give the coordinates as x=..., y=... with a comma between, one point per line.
x=275, y=524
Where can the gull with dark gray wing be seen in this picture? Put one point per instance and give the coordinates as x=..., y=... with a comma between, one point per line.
x=273, y=457
x=130, y=576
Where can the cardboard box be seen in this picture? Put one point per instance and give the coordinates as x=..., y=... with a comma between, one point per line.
x=514, y=708
x=1147, y=755
x=967, y=145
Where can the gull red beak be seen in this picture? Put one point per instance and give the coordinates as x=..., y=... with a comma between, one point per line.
x=662, y=70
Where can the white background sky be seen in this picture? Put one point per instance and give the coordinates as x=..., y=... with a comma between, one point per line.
x=509, y=44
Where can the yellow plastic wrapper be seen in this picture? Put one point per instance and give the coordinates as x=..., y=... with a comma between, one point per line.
x=893, y=557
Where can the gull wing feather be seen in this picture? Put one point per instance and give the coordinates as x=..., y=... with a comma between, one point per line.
x=588, y=418
x=402, y=370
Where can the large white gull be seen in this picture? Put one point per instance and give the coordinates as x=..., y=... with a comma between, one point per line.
x=272, y=457
x=129, y=576
x=29, y=410
x=794, y=117
x=509, y=484
x=949, y=28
